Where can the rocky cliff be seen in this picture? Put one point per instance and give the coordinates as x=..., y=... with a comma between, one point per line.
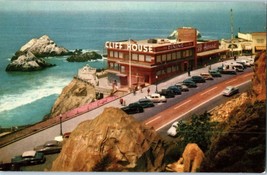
x=113, y=141
x=75, y=94
x=28, y=57
x=239, y=145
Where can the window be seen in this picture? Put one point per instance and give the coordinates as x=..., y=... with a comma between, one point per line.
x=158, y=59
x=123, y=69
x=148, y=58
x=116, y=66
x=163, y=58
x=116, y=55
x=111, y=65
x=134, y=57
x=173, y=56
x=169, y=69
x=158, y=72
x=111, y=54
x=120, y=55
x=174, y=68
x=178, y=55
x=141, y=57
x=169, y=57
x=260, y=40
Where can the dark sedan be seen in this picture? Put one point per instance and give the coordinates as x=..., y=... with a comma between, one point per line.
x=133, y=108
x=175, y=90
x=146, y=103
x=198, y=79
x=215, y=73
x=189, y=83
x=29, y=158
x=50, y=147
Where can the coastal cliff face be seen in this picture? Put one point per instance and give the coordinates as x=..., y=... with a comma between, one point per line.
x=113, y=141
x=28, y=57
x=75, y=94
x=240, y=146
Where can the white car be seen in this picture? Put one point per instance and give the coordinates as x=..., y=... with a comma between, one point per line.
x=230, y=90
x=172, y=131
x=156, y=98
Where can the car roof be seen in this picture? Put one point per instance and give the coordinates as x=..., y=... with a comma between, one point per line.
x=52, y=142
x=144, y=99
x=29, y=153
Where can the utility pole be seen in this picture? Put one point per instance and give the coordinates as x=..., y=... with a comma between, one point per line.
x=232, y=31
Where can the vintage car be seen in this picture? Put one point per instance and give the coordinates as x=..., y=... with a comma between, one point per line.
x=29, y=158
x=133, y=108
x=156, y=98
x=50, y=147
x=146, y=103
x=230, y=90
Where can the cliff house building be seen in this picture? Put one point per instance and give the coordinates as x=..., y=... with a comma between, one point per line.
x=137, y=63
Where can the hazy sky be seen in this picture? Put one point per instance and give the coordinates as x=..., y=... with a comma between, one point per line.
x=85, y=5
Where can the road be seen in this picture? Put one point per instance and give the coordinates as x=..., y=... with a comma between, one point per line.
x=35, y=139
x=187, y=105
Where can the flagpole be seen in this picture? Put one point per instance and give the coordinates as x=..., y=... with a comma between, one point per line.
x=130, y=64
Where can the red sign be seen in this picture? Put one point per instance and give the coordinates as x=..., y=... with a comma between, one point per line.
x=210, y=45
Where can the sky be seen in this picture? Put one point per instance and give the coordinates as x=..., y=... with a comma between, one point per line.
x=85, y=5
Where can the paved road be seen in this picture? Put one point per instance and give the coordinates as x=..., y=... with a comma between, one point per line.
x=38, y=138
x=177, y=111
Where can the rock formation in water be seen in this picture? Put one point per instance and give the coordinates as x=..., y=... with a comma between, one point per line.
x=113, y=141
x=190, y=161
x=240, y=143
x=84, y=57
x=28, y=57
x=75, y=94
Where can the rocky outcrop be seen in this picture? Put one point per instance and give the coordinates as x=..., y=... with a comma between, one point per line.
x=75, y=94
x=259, y=78
x=239, y=145
x=84, y=57
x=28, y=62
x=113, y=141
x=28, y=57
x=43, y=47
x=190, y=161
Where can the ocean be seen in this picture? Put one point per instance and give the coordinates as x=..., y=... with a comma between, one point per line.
x=26, y=97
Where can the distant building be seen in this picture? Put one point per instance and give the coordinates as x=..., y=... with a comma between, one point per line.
x=246, y=43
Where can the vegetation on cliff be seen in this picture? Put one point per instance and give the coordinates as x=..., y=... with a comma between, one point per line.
x=78, y=56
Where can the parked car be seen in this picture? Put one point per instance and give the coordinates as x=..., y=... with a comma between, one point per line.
x=198, y=79
x=175, y=90
x=9, y=167
x=167, y=93
x=29, y=158
x=230, y=90
x=229, y=71
x=172, y=131
x=156, y=98
x=246, y=62
x=206, y=76
x=146, y=103
x=214, y=73
x=182, y=87
x=238, y=67
x=243, y=63
x=50, y=147
x=133, y=108
x=189, y=83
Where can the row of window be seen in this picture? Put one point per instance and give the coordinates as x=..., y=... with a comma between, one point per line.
x=147, y=58
x=174, y=68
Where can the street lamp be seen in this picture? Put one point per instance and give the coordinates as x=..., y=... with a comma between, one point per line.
x=156, y=84
x=60, y=124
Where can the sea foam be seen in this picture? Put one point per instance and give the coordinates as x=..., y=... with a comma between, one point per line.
x=47, y=88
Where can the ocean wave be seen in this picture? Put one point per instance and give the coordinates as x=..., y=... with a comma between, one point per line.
x=47, y=88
